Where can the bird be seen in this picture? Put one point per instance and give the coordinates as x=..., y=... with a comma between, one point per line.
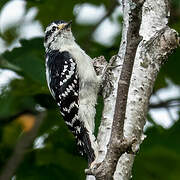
x=73, y=83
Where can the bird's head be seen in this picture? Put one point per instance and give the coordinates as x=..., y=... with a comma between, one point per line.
x=56, y=31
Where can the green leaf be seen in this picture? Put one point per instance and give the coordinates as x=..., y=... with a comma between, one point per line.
x=3, y=2
x=30, y=59
x=159, y=155
x=53, y=10
x=169, y=70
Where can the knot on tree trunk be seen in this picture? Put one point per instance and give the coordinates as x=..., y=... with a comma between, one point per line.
x=101, y=170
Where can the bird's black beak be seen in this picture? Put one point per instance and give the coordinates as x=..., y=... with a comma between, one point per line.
x=68, y=25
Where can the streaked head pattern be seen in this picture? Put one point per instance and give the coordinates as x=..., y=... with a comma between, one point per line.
x=55, y=30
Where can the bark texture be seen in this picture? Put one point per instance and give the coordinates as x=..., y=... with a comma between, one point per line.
x=158, y=41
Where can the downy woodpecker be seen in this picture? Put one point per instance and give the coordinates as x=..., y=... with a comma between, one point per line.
x=73, y=83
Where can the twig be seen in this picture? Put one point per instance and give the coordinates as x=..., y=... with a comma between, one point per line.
x=166, y=104
x=167, y=109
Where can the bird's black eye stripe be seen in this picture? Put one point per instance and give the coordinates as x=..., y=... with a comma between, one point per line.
x=49, y=33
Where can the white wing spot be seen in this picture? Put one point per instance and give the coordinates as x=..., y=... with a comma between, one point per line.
x=65, y=109
x=70, y=72
x=68, y=123
x=78, y=129
x=74, y=119
x=68, y=90
x=75, y=93
x=66, y=93
x=80, y=143
x=66, y=66
x=70, y=87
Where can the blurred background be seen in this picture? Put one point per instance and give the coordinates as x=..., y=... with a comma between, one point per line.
x=35, y=144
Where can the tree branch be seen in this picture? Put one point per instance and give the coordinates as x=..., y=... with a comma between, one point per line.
x=151, y=53
x=158, y=42
x=166, y=104
x=118, y=145
x=21, y=147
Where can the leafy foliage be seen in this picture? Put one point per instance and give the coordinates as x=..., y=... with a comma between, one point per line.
x=57, y=158
x=159, y=156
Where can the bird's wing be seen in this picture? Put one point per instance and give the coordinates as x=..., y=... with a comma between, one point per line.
x=64, y=85
x=63, y=79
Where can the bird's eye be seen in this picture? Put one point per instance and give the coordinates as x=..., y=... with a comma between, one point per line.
x=54, y=28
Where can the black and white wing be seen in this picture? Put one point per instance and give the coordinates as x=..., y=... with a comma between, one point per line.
x=63, y=82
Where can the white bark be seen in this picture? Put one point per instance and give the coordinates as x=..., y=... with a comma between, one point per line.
x=146, y=67
x=109, y=103
x=158, y=40
x=104, y=132
x=126, y=162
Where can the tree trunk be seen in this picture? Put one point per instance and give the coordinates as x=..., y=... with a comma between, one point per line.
x=158, y=41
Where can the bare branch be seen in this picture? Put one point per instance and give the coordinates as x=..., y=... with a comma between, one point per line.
x=151, y=53
x=118, y=145
x=166, y=104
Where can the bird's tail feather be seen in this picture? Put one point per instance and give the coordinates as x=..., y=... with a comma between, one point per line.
x=85, y=143
x=85, y=139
